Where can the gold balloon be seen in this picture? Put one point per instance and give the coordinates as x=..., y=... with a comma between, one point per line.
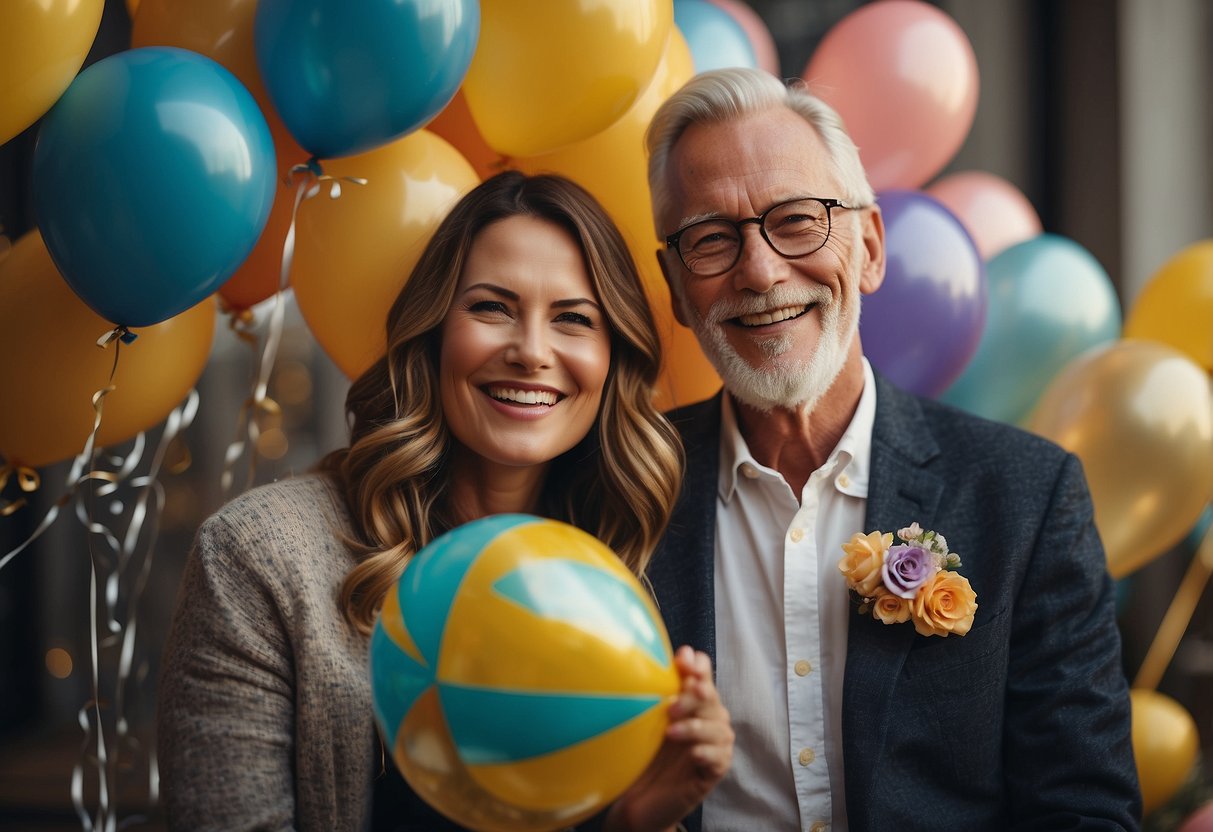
x=42, y=47
x=52, y=366
x=454, y=123
x=354, y=254
x=1176, y=306
x=1165, y=743
x=549, y=74
x=1139, y=414
x=612, y=166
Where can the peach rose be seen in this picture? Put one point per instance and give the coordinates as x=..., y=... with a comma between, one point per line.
x=889, y=608
x=864, y=557
x=945, y=604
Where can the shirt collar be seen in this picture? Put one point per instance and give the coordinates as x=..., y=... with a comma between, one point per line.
x=850, y=459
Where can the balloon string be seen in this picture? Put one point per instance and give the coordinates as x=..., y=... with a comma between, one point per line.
x=307, y=179
x=1178, y=616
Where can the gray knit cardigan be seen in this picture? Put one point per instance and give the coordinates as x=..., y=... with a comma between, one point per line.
x=264, y=718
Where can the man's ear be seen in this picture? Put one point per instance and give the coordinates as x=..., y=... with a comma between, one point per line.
x=871, y=273
x=669, y=282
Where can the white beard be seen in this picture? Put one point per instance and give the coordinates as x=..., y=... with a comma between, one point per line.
x=788, y=384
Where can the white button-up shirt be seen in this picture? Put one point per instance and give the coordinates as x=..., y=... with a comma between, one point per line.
x=782, y=609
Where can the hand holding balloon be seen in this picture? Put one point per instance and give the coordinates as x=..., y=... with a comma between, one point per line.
x=696, y=754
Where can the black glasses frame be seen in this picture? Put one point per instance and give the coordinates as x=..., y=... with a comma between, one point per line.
x=830, y=204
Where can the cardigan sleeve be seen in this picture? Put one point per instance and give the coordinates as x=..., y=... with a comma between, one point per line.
x=225, y=718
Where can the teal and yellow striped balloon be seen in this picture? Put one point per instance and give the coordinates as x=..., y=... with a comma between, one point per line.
x=520, y=674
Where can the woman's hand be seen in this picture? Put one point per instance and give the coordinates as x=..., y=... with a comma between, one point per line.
x=696, y=754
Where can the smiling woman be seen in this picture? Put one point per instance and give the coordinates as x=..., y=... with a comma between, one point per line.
x=518, y=378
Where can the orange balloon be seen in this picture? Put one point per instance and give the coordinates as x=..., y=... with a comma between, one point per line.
x=52, y=365
x=354, y=254
x=223, y=32
x=1176, y=306
x=612, y=166
x=455, y=124
x=1165, y=743
x=548, y=74
x=1139, y=415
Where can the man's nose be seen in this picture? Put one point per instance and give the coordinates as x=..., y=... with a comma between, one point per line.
x=759, y=267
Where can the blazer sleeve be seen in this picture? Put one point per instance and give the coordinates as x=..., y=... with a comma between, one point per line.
x=225, y=716
x=1068, y=752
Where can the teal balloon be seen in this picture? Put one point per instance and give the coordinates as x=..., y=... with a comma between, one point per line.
x=715, y=38
x=1049, y=301
x=346, y=76
x=153, y=177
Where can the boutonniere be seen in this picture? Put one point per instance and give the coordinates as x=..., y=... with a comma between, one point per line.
x=915, y=580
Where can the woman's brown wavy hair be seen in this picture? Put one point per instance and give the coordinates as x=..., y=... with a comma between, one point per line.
x=619, y=483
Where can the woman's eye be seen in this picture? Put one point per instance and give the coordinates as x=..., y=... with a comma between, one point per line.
x=575, y=318
x=488, y=306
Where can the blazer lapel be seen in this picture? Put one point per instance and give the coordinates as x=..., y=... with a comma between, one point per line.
x=900, y=491
x=682, y=571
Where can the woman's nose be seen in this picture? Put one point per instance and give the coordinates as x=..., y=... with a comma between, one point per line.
x=531, y=347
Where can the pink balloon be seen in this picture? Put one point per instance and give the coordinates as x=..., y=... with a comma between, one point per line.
x=903, y=76
x=756, y=31
x=1199, y=821
x=996, y=214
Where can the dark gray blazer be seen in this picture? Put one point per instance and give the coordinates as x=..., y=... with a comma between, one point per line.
x=1022, y=723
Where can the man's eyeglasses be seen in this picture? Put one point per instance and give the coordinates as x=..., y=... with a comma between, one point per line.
x=795, y=228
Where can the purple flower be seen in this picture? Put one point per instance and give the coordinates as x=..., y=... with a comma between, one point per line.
x=906, y=568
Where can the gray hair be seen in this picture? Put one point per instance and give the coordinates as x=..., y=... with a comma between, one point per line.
x=724, y=94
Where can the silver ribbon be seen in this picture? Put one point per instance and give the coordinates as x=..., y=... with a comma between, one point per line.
x=308, y=179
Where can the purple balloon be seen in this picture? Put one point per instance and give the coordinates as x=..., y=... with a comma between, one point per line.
x=924, y=323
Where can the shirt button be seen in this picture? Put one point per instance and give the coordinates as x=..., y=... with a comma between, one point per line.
x=820, y=826
x=749, y=471
x=797, y=535
x=843, y=480
x=803, y=667
x=807, y=756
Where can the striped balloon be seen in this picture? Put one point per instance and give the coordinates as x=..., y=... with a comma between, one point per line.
x=519, y=674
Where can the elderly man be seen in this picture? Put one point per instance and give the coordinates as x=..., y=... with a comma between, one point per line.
x=1016, y=716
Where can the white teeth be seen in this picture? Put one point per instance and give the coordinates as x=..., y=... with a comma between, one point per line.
x=772, y=317
x=507, y=394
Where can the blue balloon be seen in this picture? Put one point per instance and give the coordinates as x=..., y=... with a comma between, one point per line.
x=153, y=177
x=923, y=324
x=349, y=76
x=1050, y=301
x=715, y=38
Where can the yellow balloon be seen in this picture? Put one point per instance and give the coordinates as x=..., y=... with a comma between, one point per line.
x=353, y=254
x=42, y=46
x=612, y=166
x=1139, y=415
x=52, y=365
x=1176, y=306
x=1165, y=743
x=549, y=74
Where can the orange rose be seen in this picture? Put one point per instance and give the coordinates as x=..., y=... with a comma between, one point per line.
x=865, y=556
x=944, y=604
x=889, y=608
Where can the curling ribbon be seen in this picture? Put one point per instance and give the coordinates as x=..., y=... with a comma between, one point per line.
x=77, y=476
x=27, y=480
x=308, y=178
